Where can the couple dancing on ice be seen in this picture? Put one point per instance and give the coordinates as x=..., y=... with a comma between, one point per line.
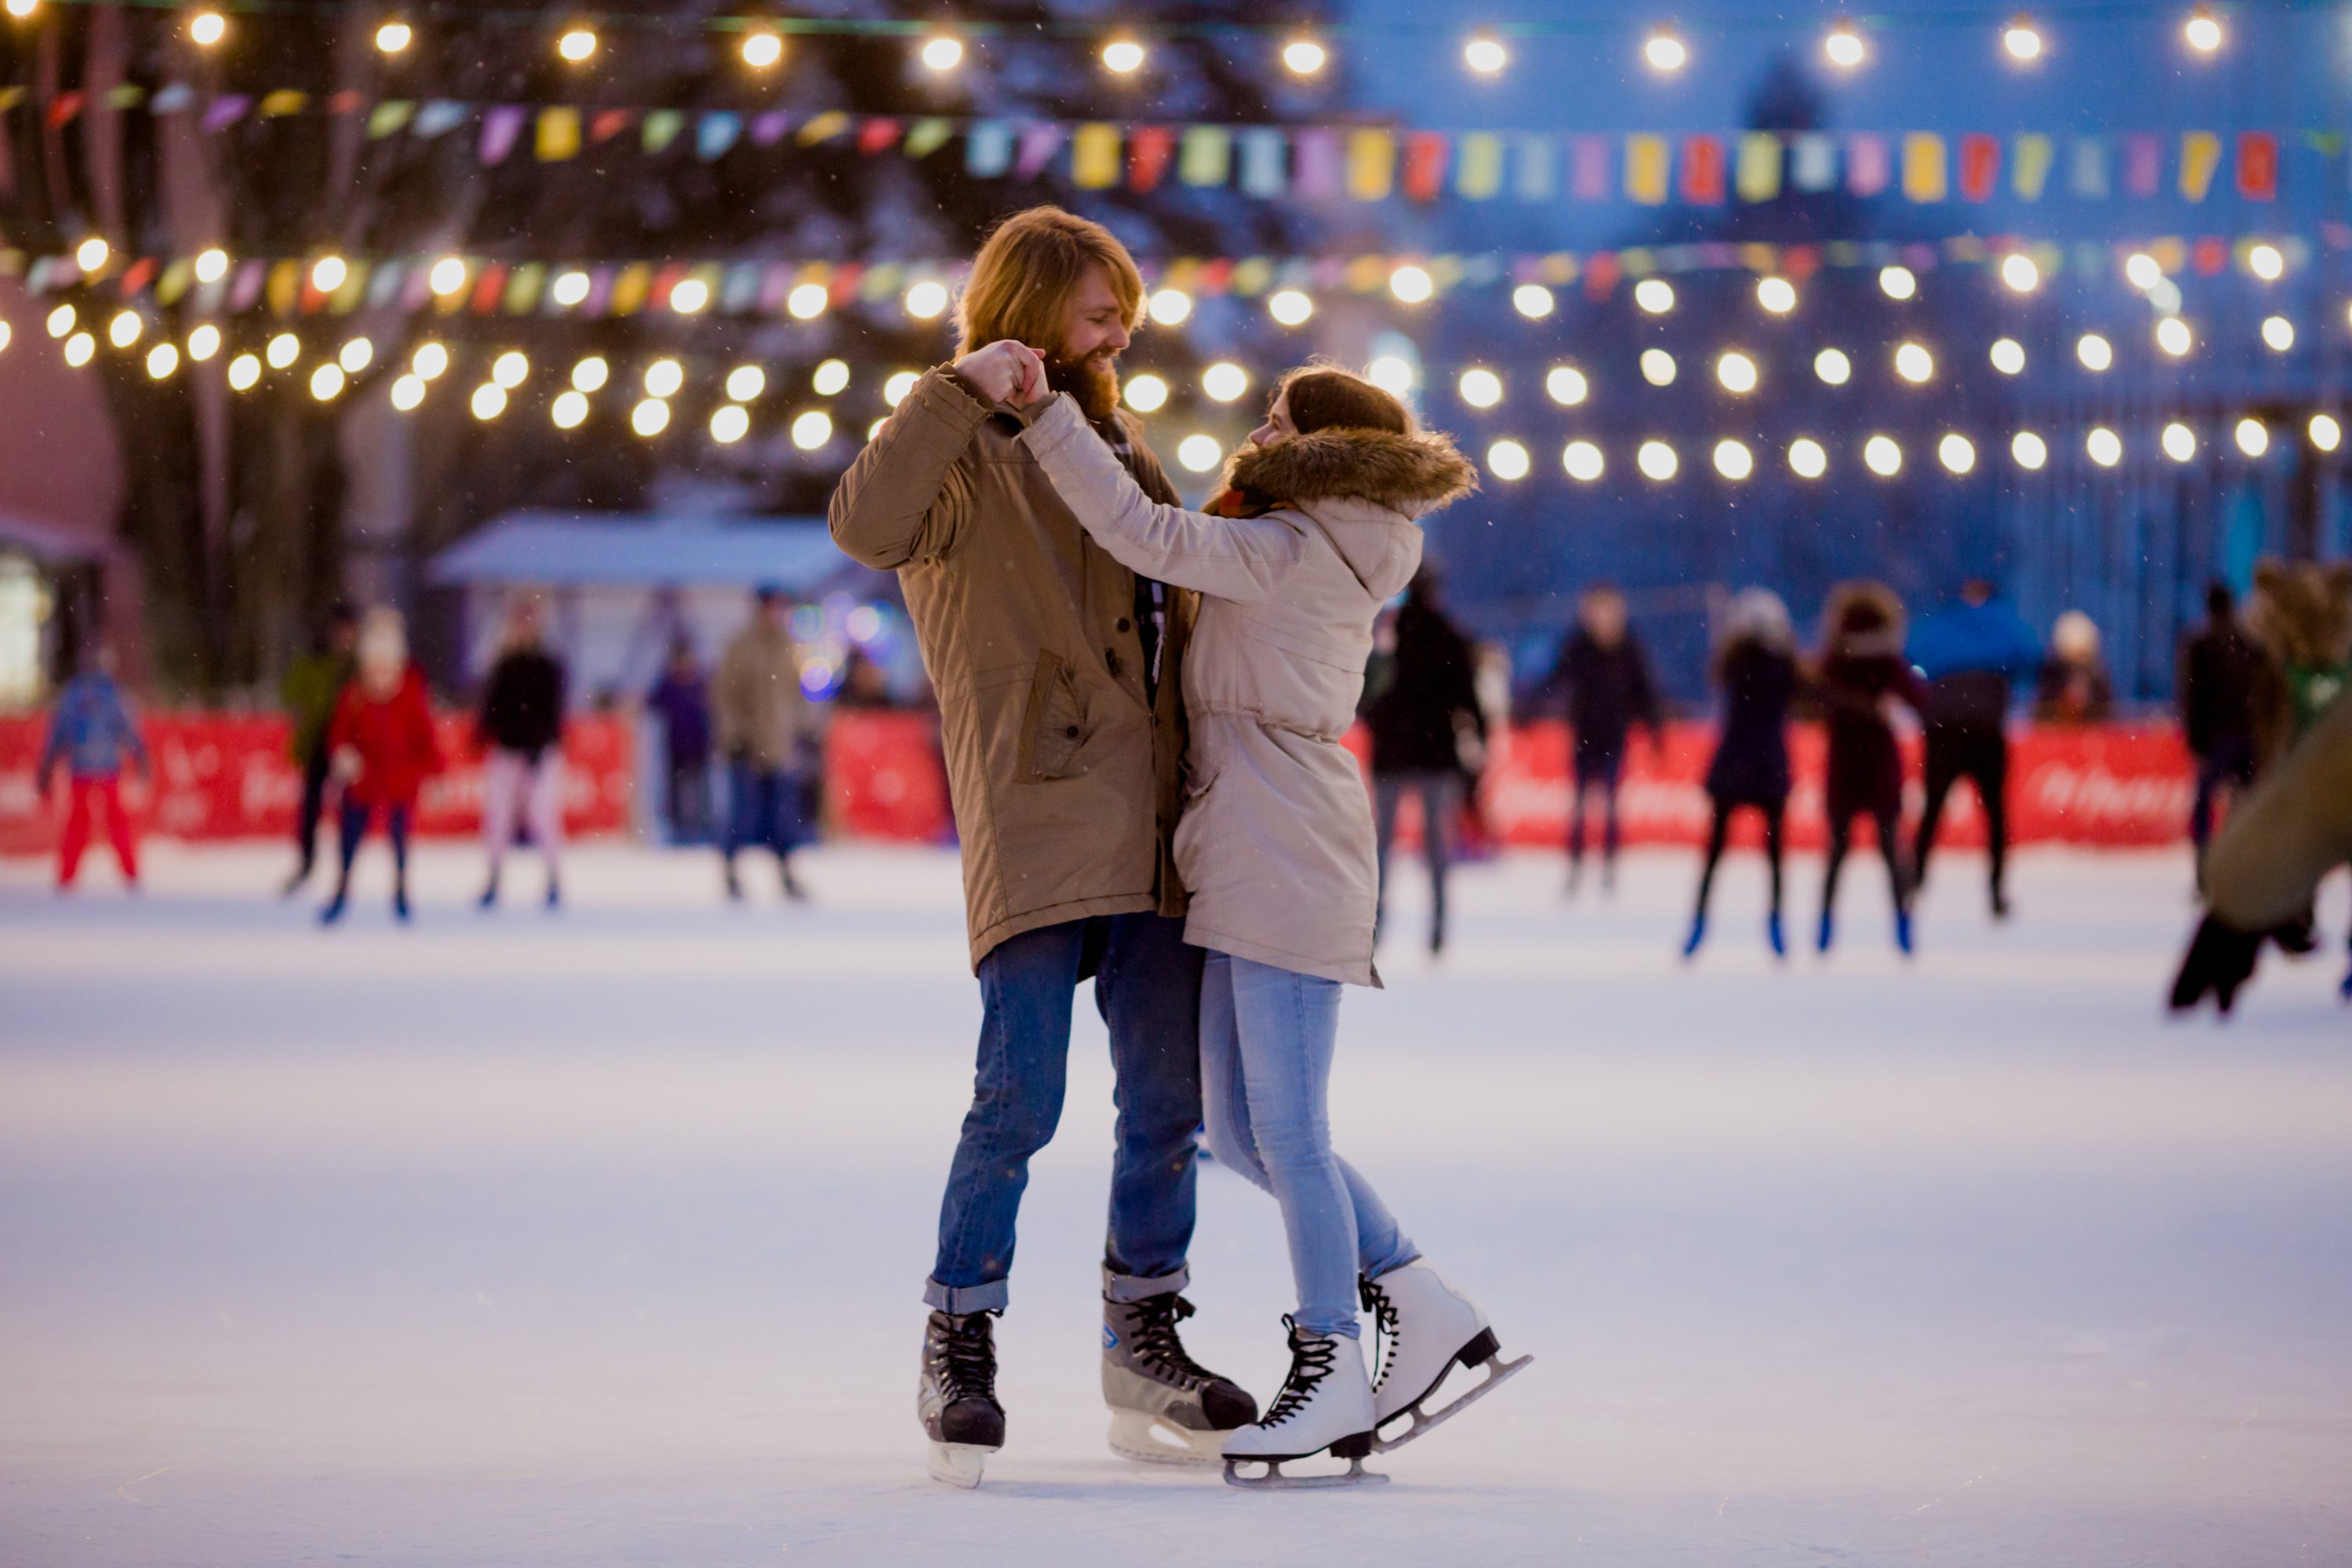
x=1141, y=710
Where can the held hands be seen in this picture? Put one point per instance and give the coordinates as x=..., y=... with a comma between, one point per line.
x=1006, y=372
x=345, y=764
x=2220, y=960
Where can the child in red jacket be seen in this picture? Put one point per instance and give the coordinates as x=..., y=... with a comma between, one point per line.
x=381, y=750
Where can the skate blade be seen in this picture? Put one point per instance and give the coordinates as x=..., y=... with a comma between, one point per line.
x=1156, y=1440
x=958, y=1464
x=1275, y=1480
x=1497, y=1369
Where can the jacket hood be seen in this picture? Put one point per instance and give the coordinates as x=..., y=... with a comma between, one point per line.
x=2301, y=613
x=1412, y=474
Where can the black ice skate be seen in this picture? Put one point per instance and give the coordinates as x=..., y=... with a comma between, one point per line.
x=1427, y=1329
x=1165, y=1408
x=957, y=1397
x=1325, y=1407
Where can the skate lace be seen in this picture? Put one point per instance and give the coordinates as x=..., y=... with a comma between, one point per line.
x=1387, y=1322
x=968, y=1359
x=1310, y=1363
x=1155, y=1341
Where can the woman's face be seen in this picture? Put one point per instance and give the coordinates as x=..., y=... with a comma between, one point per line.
x=1278, y=424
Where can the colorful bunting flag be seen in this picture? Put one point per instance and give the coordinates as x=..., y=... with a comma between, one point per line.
x=1264, y=154
x=1536, y=178
x=2258, y=166
x=1588, y=168
x=1318, y=172
x=2035, y=156
x=1813, y=163
x=2143, y=164
x=1094, y=156
x=1703, y=169
x=388, y=117
x=1425, y=156
x=716, y=131
x=558, y=135
x=2087, y=173
x=1924, y=178
x=1980, y=167
x=1371, y=165
x=439, y=118
x=1646, y=170
x=924, y=137
x=1866, y=164
x=1040, y=140
x=1757, y=172
x=1204, y=155
x=2201, y=160
x=501, y=129
x=1150, y=150
x=1481, y=173
x=988, y=148
x=877, y=133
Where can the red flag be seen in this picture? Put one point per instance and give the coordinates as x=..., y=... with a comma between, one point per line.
x=2209, y=256
x=63, y=107
x=610, y=123
x=2257, y=168
x=1703, y=169
x=136, y=278
x=1979, y=166
x=1148, y=148
x=1425, y=156
x=1601, y=274
x=490, y=289
x=877, y=134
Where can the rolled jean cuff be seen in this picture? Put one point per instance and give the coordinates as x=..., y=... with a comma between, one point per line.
x=1128, y=1288
x=962, y=1299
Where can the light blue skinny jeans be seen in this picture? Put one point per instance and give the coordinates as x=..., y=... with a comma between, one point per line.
x=1266, y=1039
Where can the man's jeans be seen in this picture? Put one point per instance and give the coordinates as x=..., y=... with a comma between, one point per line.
x=1148, y=987
x=1266, y=1039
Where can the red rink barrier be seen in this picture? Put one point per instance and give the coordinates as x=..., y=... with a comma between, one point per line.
x=229, y=776
x=221, y=776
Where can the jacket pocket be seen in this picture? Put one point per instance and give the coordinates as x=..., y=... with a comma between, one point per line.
x=1055, y=726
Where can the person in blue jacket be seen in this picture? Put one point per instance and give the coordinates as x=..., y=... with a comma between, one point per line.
x=92, y=734
x=1969, y=652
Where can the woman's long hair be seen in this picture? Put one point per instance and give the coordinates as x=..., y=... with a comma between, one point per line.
x=1325, y=397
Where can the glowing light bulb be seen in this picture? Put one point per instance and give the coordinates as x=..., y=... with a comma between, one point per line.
x=831, y=377
x=62, y=321
x=2178, y=441
x=212, y=265
x=1392, y=373
x=1170, y=307
x=1290, y=307
x=20, y=9
x=124, y=329
x=1412, y=284
x=1658, y=367
x=1508, y=461
x=569, y=410
x=1583, y=461
x=2104, y=446
x=2172, y=335
x=568, y=288
x=927, y=301
x=327, y=382
x=1486, y=54
x=356, y=355
x=729, y=423
x=2095, y=352
x=1481, y=388
x=650, y=417
x=894, y=389
x=1122, y=56
x=1199, y=453
x=1733, y=461
x=1224, y=381
x=2022, y=39
x=1882, y=457
x=1845, y=47
x=590, y=373
x=1956, y=453
x=2265, y=262
x=746, y=381
x=1808, y=459
x=206, y=28
x=2325, y=433
x=1898, y=282
x=447, y=277
x=2142, y=271
x=1665, y=53
x=429, y=360
x=1654, y=295
x=1914, y=364
x=941, y=52
x=812, y=429
x=663, y=377
x=1145, y=394
x=1304, y=57
x=1532, y=300
x=762, y=48
x=2008, y=356
x=576, y=44
x=1737, y=372
x=394, y=38
x=689, y=297
x=281, y=350
x=2278, y=332
x=408, y=393
x=1567, y=385
x=510, y=369
x=2253, y=436
x=163, y=359
x=1777, y=295
x=2029, y=450
x=806, y=302
x=2018, y=270
x=2202, y=31
x=80, y=349
x=204, y=342
x=1656, y=460
x=91, y=254
x=244, y=372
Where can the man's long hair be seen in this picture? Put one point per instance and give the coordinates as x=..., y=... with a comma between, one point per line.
x=1023, y=277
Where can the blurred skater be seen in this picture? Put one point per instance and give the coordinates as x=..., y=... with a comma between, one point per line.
x=1429, y=737
x=682, y=697
x=308, y=691
x=1969, y=653
x=2074, y=687
x=93, y=734
x=381, y=750
x=768, y=730
x=1861, y=672
x=1756, y=665
x=1605, y=677
x=521, y=728
x=2302, y=614
x=2222, y=670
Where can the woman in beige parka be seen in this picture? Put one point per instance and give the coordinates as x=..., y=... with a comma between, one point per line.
x=1316, y=532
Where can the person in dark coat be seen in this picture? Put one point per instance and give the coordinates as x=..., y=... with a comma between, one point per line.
x=1757, y=668
x=682, y=699
x=2221, y=669
x=309, y=688
x=1862, y=670
x=1428, y=737
x=1605, y=677
x=521, y=728
x=1969, y=654
x=2074, y=687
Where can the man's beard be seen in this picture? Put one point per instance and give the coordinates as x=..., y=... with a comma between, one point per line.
x=1093, y=381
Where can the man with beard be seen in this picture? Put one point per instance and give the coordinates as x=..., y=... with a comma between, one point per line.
x=1062, y=724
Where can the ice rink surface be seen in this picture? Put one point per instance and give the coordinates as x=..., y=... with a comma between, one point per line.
x=597, y=1238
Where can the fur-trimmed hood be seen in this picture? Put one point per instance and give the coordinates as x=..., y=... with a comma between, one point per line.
x=1862, y=599
x=1413, y=475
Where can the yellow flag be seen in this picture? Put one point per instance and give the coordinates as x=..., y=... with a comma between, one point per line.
x=2031, y=166
x=1371, y=166
x=630, y=288
x=285, y=101
x=285, y=279
x=2200, y=157
x=1757, y=177
x=1481, y=173
x=1646, y=170
x=1204, y=156
x=1925, y=176
x=559, y=134
x=1094, y=156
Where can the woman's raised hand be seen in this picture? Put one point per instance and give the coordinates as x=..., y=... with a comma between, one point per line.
x=1006, y=372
